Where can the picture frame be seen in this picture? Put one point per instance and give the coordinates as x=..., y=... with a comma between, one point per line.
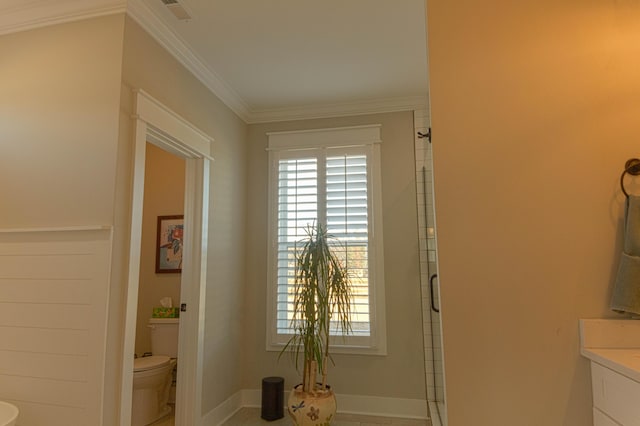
x=169, y=244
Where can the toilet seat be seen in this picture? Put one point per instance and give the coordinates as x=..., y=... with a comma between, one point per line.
x=150, y=362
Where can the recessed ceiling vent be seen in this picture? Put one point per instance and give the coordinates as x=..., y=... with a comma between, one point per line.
x=177, y=9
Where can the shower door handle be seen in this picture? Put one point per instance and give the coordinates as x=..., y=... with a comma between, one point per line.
x=433, y=302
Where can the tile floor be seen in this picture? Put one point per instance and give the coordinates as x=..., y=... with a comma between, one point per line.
x=251, y=417
x=165, y=421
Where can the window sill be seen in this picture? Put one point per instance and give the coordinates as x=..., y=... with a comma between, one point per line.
x=338, y=349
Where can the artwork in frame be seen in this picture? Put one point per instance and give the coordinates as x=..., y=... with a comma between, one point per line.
x=169, y=244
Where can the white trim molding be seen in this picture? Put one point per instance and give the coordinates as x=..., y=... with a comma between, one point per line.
x=374, y=106
x=57, y=229
x=224, y=410
x=319, y=144
x=333, y=137
x=21, y=15
x=402, y=408
x=157, y=124
x=190, y=140
x=180, y=50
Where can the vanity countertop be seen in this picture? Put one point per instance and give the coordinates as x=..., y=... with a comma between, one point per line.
x=613, y=347
x=623, y=361
x=612, y=343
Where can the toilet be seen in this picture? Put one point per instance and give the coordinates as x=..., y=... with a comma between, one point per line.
x=153, y=375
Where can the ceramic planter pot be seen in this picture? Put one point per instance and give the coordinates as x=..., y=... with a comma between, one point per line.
x=308, y=409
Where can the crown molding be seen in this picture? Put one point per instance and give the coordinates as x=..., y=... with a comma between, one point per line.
x=168, y=39
x=181, y=50
x=374, y=106
x=21, y=15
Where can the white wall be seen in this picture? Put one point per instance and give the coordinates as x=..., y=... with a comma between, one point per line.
x=535, y=108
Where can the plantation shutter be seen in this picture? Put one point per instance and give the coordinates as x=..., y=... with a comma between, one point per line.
x=347, y=221
x=297, y=208
x=344, y=212
x=329, y=177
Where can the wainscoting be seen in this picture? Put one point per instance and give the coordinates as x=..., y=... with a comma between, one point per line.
x=54, y=292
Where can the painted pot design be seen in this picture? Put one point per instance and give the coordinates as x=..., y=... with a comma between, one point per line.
x=312, y=409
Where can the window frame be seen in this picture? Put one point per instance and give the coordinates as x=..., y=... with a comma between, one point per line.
x=320, y=143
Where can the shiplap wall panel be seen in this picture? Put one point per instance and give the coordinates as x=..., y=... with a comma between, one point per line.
x=33, y=291
x=22, y=265
x=53, y=309
x=72, y=317
x=37, y=414
x=63, y=393
x=44, y=365
x=22, y=339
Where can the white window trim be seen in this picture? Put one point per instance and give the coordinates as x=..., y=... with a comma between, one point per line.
x=281, y=144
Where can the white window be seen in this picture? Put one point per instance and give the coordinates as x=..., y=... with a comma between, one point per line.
x=332, y=177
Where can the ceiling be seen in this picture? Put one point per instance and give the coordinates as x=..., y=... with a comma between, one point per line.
x=287, y=56
x=280, y=59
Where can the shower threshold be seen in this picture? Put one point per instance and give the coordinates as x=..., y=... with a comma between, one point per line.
x=435, y=408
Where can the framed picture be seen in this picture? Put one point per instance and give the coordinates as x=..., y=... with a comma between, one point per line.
x=169, y=244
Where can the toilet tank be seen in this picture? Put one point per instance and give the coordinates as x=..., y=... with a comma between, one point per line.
x=164, y=336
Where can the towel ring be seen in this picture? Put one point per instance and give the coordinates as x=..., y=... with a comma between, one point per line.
x=632, y=166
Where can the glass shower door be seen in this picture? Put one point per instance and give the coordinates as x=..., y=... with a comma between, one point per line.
x=430, y=284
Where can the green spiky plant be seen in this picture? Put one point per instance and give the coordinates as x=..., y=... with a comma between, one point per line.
x=322, y=301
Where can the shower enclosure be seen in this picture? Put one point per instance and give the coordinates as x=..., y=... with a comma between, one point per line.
x=429, y=283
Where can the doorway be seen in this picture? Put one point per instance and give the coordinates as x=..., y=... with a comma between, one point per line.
x=160, y=281
x=156, y=124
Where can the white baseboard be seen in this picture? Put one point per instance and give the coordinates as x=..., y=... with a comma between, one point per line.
x=382, y=406
x=348, y=404
x=224, y=411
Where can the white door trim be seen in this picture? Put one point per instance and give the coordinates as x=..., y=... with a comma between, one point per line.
x=157, y=124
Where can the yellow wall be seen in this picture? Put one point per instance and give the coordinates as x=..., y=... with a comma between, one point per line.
x=148, y=66
x=400, y=374
x=535, y=108
x=163, y=196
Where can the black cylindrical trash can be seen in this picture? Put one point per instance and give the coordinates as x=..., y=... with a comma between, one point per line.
x=272, y=398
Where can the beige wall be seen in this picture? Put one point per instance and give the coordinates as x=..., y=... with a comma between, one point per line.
x=59, y=94
x=400, y=374
x=147, y=66
x=163, y=196
x=535, y=108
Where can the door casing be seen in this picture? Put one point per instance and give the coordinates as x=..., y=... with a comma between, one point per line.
x=157, y=124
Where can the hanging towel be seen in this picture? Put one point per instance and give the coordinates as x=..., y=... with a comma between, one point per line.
x=626, y=292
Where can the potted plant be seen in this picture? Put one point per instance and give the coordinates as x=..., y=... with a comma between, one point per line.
x=322, y=301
